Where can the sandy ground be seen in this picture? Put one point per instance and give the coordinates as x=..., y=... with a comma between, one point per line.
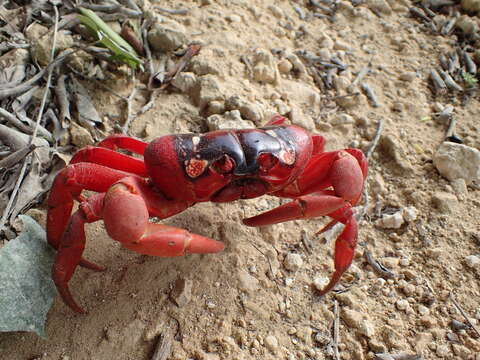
x=244, y=303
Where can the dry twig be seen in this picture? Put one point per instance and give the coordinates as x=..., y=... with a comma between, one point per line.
x=464, y=314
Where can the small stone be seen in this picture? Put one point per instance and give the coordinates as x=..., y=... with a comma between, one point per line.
x=271, y=343
x=298, y=117
x=423, y=310
x=247, y=282
x=293, y=261
x=458, y=161
x=390, y=221
x=185, y=81
x=208, y=90
x=320, y=283
x=460, y=187
x=341, y=45
x=229, y=120
x=42, y=43
x=215, y=107
x=233, y=18
x=444, y=201
x=342, y=119
x=402, y=304
x=276, y=11
x=210, y=304
x=81, y=137
x=443, y=351
x=326, y=42
x=265, y=68
x=167, y=36
x=408, y=76
x=381, y=6
x=422, y=340
x=409, y=213
x=359, y=321
x=297, y=64
x=181, y=292
x=473, y=261
x=284, y=66
x=288, y=281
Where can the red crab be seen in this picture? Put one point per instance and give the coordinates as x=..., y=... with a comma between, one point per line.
x=181, y=170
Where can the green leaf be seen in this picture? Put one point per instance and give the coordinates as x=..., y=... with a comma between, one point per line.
x=121, y=49
x=27, y=290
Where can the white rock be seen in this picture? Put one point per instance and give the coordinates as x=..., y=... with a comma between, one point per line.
x=402, y=304
x=247, y=282
x=409, y=213
x=265, y=68
x=229, y=120
x=390, y=221
x=381, y=6
x=271, y=343
x=320, y=283
x=473, y=261
x=359, y=321
x=342, y=119
x=293, y=261
x=458, y=161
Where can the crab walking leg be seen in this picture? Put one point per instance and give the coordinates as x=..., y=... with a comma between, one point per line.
x=125, y=213
x=126, y=200
x=312, y=206
x=124, y=142
x=110, y=158
x=345, y=172
x=67, y=186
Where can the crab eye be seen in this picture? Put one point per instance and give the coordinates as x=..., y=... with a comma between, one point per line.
x=266, y=161
x=224, y=165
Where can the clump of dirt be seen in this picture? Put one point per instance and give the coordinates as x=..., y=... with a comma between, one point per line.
x=257, y=299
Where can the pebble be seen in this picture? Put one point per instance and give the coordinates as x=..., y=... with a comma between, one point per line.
x=359, y=321
x=285, y=66
x=444, y=201
x=423, y=310
x=341, y=45
x=408, y=76
x=265, y=68
x=210, y=304
x=459, y=186
x=473, y=261
x=233, y=18
x=320, y=283
x=381, y=6
x=182, y=291
x=410, y=213
x=342, y=119
x=458, y=161
x=185, y=81
x=293, y=261
x=271, y=343
x=80, y=136
x=42, y=44
x=443, y=351
x=247, y=282
x=208, y=90
x=229, y=120
x=390, y=221
x=402, y=304
x=167, y=36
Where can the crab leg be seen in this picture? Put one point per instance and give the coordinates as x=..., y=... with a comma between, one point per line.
x=124, y=142
x=110, y=158
x=125, y=209
x=345, y=172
